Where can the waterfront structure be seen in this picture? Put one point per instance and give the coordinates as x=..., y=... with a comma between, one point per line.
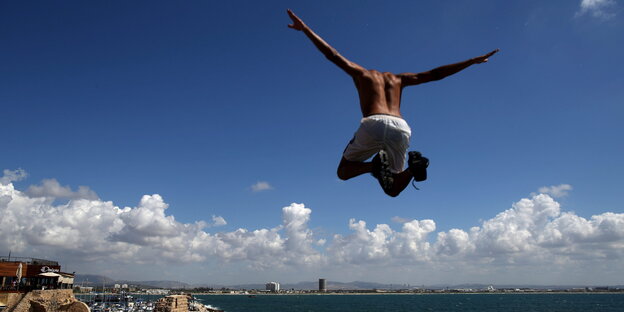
x=175, y=303
x=322, y=285
x=157, y=291
x=273, y=286
x=19, y=274
x=84, y=289
x=181, y=303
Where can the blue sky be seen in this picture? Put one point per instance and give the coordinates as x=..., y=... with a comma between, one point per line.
x=200, y=101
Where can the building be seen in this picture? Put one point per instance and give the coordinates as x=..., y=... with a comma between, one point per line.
x=157, y=291
x=19, y=274
x=322, y=285
x=273, y=286
x=84, y=289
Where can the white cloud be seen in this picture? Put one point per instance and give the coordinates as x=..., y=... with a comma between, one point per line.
x=398, y=219
x=51, y=188
x=261, y=186
x=383, y=245
x=602, y=9
x=454, y=242
x=266, y=248
x=556, y=191
x=299, y=238
x=512, y=232
x=148, y=224
x=534, y=233
x=218, y=221
x=80, y=226
x=363, y=246
x=12, y=176
x=411, y=243
x=92, y=229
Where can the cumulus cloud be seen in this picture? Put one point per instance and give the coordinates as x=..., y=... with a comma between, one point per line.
x=513, y=232
x=534, y=231
x=382, y=244
x=12, y=176
x=556, y=191
x=51, y=188
x=92, y=229
x=218, y=221
x=363, y=246
x=147, y=224
x=266, y=248
x=261, y=186
x=299, y=238
x=601, y=9
x=81, y=226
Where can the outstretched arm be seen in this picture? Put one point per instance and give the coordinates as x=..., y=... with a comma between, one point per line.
x=410, y=79
x=330, y=53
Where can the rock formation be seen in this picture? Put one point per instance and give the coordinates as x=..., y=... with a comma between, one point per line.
x=61, y=300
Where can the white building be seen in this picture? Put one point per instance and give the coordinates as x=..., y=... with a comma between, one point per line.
x=157, y=291
x=273, y=286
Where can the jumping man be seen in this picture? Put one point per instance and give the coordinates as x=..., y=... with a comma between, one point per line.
x=382, y=131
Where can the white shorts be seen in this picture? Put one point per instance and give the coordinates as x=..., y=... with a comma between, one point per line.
x=379, y=132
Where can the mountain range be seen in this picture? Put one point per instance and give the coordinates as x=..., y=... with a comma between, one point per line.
x=99, y=280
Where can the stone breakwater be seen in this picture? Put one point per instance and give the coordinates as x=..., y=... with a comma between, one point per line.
x=181, y=303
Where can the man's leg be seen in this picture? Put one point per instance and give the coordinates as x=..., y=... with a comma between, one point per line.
x=401, y=181
x=348, y=169
x=417, y=169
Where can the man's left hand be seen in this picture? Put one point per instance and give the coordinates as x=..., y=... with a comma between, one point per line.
x=484, y=58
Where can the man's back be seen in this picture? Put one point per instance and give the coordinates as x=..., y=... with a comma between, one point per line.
x=380, y=93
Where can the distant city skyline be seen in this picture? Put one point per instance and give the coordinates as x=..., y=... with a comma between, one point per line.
x=198, y=141
x=333, y=285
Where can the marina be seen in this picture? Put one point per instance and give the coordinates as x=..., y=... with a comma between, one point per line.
x=103, y=302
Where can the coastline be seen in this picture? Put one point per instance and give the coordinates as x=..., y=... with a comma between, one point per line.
x=559, y=292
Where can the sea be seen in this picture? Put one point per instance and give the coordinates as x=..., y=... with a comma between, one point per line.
x=497, y=302
x=548, y=302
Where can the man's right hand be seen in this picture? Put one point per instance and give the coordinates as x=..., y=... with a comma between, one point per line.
x=297, y=22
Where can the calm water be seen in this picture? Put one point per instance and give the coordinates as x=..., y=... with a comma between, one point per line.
x=432, y=302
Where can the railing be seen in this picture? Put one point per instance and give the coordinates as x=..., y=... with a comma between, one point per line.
x=28, y=260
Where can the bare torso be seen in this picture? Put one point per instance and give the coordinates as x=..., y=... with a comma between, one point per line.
x=380, y=93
